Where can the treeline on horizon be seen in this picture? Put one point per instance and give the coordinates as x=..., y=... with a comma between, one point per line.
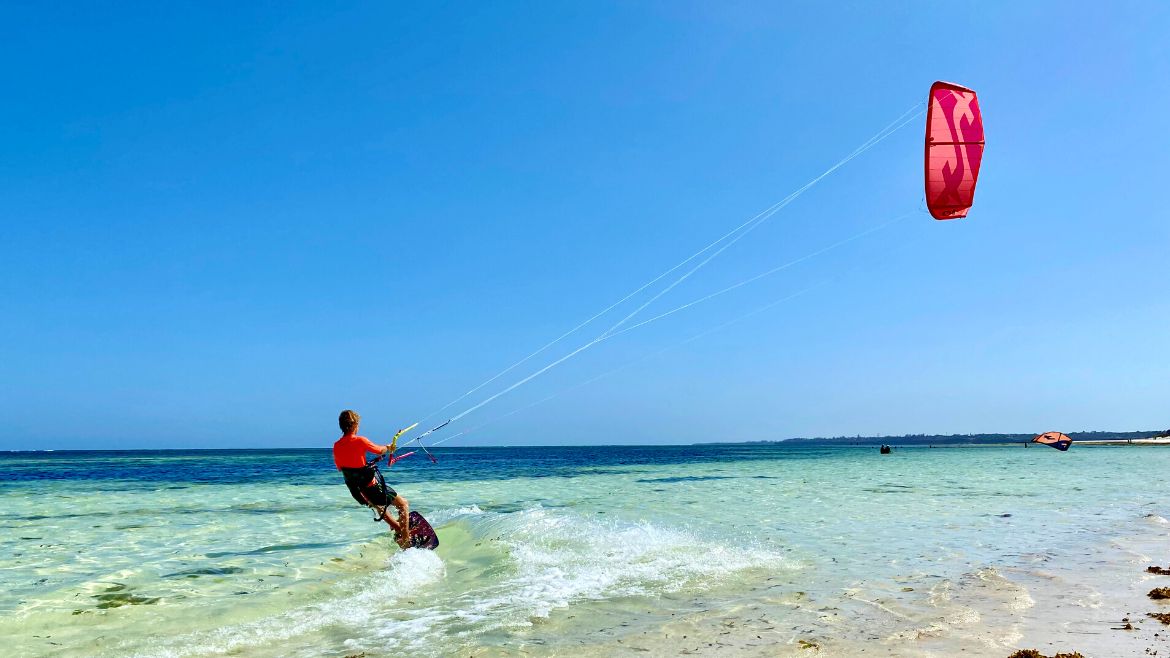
x=962, y=439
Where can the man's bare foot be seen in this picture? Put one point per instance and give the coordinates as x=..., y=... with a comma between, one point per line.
x=403, y=539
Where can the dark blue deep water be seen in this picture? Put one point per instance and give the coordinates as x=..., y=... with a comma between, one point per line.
x=315, y=466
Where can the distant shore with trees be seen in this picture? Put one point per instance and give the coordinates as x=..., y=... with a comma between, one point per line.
x=961, y=439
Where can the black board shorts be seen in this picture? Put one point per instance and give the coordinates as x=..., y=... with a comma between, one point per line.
x=368, y=487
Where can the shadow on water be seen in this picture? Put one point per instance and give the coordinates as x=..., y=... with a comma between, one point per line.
x=279, y=548
x=206, y=571
x=117, y=596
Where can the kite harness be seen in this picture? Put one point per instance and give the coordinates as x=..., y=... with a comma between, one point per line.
x=368, y=487
x=366, y=483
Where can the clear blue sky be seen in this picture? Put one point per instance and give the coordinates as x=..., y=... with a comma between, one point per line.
x=222, y=223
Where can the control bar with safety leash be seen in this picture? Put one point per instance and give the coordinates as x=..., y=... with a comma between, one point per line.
x=418, y=439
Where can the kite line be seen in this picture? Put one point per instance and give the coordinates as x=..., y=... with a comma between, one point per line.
x=729, y=238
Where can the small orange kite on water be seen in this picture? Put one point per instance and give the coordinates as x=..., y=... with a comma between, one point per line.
x=1054, y=439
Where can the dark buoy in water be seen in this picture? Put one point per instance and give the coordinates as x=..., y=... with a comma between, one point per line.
x=885, y=449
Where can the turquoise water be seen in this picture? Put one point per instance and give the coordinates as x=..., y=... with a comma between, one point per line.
x=574, y=551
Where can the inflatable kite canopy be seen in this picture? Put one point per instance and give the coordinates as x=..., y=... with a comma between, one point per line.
x=954, y=148
x=1054, y=439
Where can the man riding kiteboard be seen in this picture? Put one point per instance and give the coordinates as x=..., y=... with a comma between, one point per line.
x=365, y=481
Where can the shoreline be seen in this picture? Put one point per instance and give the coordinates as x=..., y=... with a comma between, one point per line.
x=994, y=612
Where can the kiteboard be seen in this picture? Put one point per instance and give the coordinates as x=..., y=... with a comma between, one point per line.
x=422, y=535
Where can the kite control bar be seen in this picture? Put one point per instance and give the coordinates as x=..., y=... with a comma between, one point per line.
x=418, y=439
x=391, y=458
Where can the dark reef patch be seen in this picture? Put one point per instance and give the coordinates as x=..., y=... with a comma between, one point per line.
x=686, y=478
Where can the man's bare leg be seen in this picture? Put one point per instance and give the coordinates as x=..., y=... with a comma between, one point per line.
x=403, y=507
x=387, y=518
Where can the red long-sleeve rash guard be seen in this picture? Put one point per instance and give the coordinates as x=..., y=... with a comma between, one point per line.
x=350, y=451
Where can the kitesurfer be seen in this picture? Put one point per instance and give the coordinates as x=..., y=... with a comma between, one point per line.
x=365, y=481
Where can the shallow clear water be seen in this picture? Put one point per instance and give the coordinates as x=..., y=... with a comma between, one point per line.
x=746, y=548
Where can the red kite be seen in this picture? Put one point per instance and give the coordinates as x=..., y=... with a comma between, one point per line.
x=954, y=149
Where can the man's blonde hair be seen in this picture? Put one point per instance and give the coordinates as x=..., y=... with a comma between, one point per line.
x=348, y=420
